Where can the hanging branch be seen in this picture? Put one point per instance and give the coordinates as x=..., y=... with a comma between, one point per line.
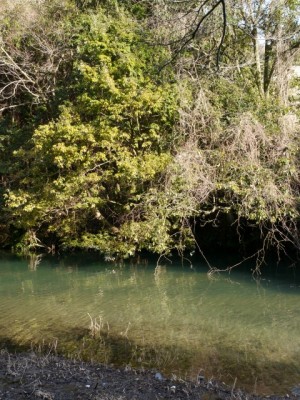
x=222, y=2
x=190, y=35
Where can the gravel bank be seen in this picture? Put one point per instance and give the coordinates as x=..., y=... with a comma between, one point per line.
x=50, y=377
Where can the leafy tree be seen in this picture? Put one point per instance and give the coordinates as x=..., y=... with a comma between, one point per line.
x=82, y=175
x=35, y=56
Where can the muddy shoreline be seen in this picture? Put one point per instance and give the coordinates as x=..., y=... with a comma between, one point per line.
x=30, y=375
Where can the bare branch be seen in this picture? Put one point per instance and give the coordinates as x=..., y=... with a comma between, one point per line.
x=31, y=59
x=195, y=25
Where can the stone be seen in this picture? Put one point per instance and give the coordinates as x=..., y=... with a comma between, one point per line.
x=296, y=391
x=159, y=376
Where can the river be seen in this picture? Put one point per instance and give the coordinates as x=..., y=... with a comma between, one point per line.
x=175, y=318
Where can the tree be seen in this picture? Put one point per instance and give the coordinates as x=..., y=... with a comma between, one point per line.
x=181, y=23
x=273, y=30
x=232, y=123
x=82, y=175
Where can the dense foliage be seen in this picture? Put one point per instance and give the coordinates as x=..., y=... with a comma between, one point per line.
x=117, y=135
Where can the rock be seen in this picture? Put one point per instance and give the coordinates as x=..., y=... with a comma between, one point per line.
x=159, y=376
x=43, y=395
x=296, y=391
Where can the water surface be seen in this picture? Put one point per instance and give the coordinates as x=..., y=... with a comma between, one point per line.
x=173, y=318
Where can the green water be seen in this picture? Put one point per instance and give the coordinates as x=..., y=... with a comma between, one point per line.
x=173, y=318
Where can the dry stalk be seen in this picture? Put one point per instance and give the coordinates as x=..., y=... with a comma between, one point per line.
x=96, y=326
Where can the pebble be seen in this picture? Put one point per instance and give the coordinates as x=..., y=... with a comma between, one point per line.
x=296, y=390
x=159, y=376
x=173, y=389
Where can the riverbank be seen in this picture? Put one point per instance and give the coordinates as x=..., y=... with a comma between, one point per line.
x=50, y=377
